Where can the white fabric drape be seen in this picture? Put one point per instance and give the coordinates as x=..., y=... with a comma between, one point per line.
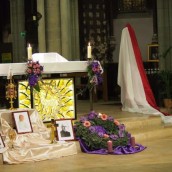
x=34, y=146
x=133, y=96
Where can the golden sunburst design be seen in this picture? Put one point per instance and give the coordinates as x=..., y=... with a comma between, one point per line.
x=56, y=99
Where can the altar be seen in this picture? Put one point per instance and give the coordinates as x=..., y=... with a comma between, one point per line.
x=36, y=146
x=55, y=68
x=49, y=68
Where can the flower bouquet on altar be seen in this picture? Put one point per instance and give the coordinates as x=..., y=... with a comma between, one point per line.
x=95, y=71
x=34, y=71
x=96, y=130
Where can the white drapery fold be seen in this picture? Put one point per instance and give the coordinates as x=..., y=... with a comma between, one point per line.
x=30, y=147
x=136, y=94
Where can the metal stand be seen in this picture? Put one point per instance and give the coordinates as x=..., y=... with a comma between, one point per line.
x=31, y=97
x=91, y=99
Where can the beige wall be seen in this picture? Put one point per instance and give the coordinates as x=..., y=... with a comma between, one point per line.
x=143, y=28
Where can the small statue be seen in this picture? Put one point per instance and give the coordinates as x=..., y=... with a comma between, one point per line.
x=53, y=133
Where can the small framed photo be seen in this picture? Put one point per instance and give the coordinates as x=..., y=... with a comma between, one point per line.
x=22, y=122
x=153, y=54
x=64, y=130
x=2, y=145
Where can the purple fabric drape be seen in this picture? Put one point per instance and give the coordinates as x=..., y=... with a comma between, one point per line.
x=120, y=150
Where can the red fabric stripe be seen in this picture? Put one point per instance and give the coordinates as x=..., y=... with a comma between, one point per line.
x=148, y=91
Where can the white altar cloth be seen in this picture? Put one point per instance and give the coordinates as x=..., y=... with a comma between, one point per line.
x=48, y=57
x=49, y=68
x=34, y=146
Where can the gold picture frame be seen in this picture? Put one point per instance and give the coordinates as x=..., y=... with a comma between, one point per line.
x=153, y=52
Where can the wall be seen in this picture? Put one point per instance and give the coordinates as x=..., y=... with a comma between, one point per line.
x=143, y=29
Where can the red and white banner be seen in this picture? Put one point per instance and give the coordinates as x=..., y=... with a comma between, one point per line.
x=136, y=93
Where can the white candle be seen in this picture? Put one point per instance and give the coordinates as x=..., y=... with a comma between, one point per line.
x=29, y=52
x=89, y=51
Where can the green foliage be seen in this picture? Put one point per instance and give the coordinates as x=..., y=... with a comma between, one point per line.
x=100, y=130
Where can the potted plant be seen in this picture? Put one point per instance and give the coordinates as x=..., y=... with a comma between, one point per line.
x=166, y=82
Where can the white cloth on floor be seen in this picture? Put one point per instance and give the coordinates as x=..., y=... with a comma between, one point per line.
x=34, y=146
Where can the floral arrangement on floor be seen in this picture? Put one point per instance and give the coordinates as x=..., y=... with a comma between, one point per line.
x=96, y=129
x=34, y=74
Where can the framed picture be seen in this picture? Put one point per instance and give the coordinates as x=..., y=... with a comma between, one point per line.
x=56, y=99
x=64, y=130
x=22, y=122
x=153, y=54
x=2, y=145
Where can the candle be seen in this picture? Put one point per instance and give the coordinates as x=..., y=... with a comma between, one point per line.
x=110, y=147
x=29, y=52
x=89, y=51
x=132, y=141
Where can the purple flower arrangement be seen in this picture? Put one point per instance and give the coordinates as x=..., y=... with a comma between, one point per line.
x=94, y=73
x=96, y=129
x=34, y=71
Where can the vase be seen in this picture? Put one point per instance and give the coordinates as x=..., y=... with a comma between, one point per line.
x=168, y=103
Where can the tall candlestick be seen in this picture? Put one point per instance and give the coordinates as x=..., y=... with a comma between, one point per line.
x=89, y=51
x=110, y=147
x=29, y=52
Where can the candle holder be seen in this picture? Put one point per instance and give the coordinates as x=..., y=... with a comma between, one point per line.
x=11, y=92
x=12, y=136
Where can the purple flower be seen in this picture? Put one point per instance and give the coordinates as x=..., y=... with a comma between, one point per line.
x=97, y=129
x=100, y=79
x=100, y=134
x=121, y=127
x=121, y=133
x=83, y=118
x=110, y=118
x=92, y=129
x=113, y=137
x=121, y=130
x=92, y=115
x=33, y=79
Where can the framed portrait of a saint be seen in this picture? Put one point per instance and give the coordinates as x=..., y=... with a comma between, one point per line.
x=153, y=52
x=64, y=130
x=22, y=122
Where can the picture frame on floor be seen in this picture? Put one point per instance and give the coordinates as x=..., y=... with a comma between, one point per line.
x=2, y=145
x=22, y=122
x=64, y=130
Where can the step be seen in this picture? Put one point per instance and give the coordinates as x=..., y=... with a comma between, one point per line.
x=153, y=134
x=142, y=123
